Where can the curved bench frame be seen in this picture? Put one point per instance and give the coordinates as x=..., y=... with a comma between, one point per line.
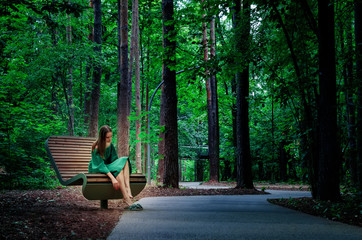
x=70, y=157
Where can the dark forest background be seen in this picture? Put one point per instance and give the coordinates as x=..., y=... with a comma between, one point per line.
x=252, y=90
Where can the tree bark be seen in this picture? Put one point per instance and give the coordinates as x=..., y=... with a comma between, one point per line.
x=134, y=59
x=213, y=113
x=97, y=71
x=171, y=173
x=236, y=19
x=244, y=172
x=123, y=123
x=131, y=57
x=137, y=89
x=328, y=181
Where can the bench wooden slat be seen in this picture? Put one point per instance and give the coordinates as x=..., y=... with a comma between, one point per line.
x=70, y=157
x=75, y=159
x=73, y=164
x=69, y=150
x=72, y=139
x=69, y=145
x=69, y=153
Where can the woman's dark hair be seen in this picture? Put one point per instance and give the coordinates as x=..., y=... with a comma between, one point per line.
x=101, y=141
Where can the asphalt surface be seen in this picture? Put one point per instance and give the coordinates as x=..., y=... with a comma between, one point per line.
x=227, y=217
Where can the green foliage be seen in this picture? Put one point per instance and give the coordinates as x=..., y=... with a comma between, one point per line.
x=34, y=73
x=31, y=72
x=348, y=209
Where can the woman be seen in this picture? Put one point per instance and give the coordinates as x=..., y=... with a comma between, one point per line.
x=105, y=160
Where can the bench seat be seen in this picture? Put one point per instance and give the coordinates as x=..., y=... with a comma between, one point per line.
x=70, y=157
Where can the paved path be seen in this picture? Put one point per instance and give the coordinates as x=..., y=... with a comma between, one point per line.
x=227, y=217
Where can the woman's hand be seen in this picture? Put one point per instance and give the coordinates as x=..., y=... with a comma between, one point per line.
x=115, y=184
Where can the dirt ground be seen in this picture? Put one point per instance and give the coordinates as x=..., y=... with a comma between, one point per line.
x=65, y=214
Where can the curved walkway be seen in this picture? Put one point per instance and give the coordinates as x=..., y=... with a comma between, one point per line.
x=227, y=217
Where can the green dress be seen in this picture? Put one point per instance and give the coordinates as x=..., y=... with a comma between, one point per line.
x=110, y=162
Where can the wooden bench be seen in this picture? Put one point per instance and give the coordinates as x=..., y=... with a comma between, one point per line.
x=70, y=157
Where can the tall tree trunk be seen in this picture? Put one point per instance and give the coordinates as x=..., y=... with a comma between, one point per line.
x=236, y=19
x=97, y=71
x=244, y=173
x=137, y=89
x=358, y=37
x=131, y=57
x=328, y=181
x=123, y=123
x=171, y=142
x=212, y=111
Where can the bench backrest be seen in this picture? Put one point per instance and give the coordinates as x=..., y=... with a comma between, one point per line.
x=71, y=155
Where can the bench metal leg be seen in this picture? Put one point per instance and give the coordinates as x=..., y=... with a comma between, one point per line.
x=104, y=204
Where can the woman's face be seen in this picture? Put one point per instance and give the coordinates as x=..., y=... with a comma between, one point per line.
x=109, y=138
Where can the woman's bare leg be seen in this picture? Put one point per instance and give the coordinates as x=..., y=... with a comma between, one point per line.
x=126, y=179
x=120, y=179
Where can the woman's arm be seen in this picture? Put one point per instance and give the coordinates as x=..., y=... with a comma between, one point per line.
x=97, y=165
x=114, y=181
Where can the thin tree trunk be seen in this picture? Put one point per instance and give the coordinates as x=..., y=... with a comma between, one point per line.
x=328, y=181
x=171, y=142
x=137, y=89
x=145, y=153
x=97, y=71
x=70, y=84
x=123, y=123
x=213, y=113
